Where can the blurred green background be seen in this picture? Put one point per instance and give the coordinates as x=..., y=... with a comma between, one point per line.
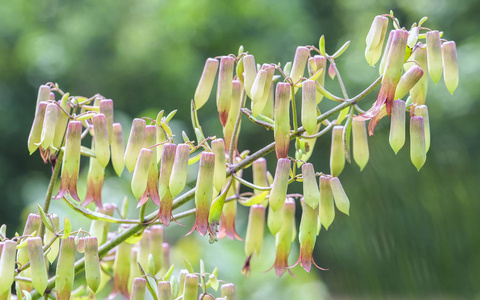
x=410, y=234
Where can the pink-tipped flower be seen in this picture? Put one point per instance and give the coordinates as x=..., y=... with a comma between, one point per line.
x=422, y=111
x=408, y=81
x=233, y=113
x=450, y=66
x=254, y=236
x=156, y=237
x=121, y=269
x=326, y=208
x=37, y=264
x=397, y=126
x=224, y=88
x=178, y=177
x=48, y=130
x=43, y=95
x=282, y=120
x=166, y=254
x=360, y=143
x=135, y=143
x=204, y=87
x=261, y=88
x=218, y=148
x=62, y=121
x=139, y=287
x=92, y=263
x=164, y=290
x=413, y=36
x=7, y=265
x=140, y=174
x=166, y=166
x=65, y=269
x=314, y=64
x=106, y=108
x=117, y=149
x=285, y=237
x=337, y=152
x=419, y=90
x=190, y=290
x=102, y=144
x=152, y=181
x=307, y=235
x=71, y=161
x=299, y=63
x=228, y=291
x=391, y=75
x=204, y=192
x=331, y=71
x=375, y=39
x=418, y=154
x=309, y=106
x=95, y=177
x=341, y=199
x=434, y=55
x=311, y=193
x=35, y=137
x=280, y=183
x=250, y=73
x=227, y=221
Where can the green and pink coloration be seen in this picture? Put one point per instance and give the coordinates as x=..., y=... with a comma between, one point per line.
x=166, y=166
x=135, y=143
x=224, y=88
x=360, y=143
x=233, y=114
x=140, y=174
x=35, y=137
x=299, y=63
x=326, y=209
x=92, y=263
x=285, y=237
x=339, y=195
x=278, y=193
x=152, y=189
x=375, y=39
x=337, y=151
x=178, y=177
x=102, y=143
x=37, y=264
x=106, y=108
x=282, y=120
x=309, y=106
x=117, y=148
x=419, y=90
x=408, y=81
x=397, y=126
x=8, y=250
x=204, y=87
x=95, y=178
x=71, y=161
x=190, y=290
x=65, y=269
x=311, y=194
x=314, y=64
x=434, y=55
x=418, y=153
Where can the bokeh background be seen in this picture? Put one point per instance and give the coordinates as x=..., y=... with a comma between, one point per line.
x=410, y=234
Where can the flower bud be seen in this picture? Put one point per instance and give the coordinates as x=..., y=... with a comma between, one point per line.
x=254, y=236
x=71, y=161
x=134, y=268
x=280, y=183
x=62, y=121
x=375, y=39
x=37, y=264
x=224, y=88
x=43, y=95
x=106, y=108
x=326, y=209
x=166, y=166
x=341, y=199
x=360, y=143
x=331, y=71
x=135, y=143
x=117, y=148
x=259, y=168
x=144, y=249
x=166, y=255
x=164, y=290
x=434, y=55
x=152, y=181
x=228, y=291
x=204, y=192
x=261, y=88
x=92, y=263
x=311, y=193
x=49, y=123
x=181, y=281
x=233, y=113
x=218, y=148
x=156, y=237
x=268, y=110
x=282, y=120
x=307, y=235
x=314, y=64
x=450, y=66
x=51, y=235
x=250, y=72
x=413, y=36
x=140, y=174
x=35, y=137
x=397, y=126
x=95, y=179
x=419, y=90
x=408, y=81
x=299, y=63
x=190, y=290
x=7, y=265
x=204, y=87
x=422, y=111
x=285, y=237
x=121, y=269
x=139, y=288
x=178, y=177
x=418, y=153
x=102, y=149
x=309, y=106
x=337, y=152
x=65, y=269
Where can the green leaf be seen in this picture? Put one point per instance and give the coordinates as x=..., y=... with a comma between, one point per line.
x=317, y=74
x=85, y=116
x=170, y=116
x=321, y=46
x=422, y=20
x=159, y=117
x=216, y=208
x=152, y=287
x=194, y=159
x=67, y=229
x=255, y=199
x=239, y=69
x=341, y=50
x=166, y=128
x=189, y=266
x=45, y=220
x=168, y=273
x=3, y=230
x=213, y=282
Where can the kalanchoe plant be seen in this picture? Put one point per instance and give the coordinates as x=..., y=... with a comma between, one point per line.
x=136, y=257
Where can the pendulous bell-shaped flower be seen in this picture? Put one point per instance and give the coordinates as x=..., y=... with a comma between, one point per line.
x=341, y=199
x=135, y=143
x=408, y=81
x=156, y=237
x=106, y=108
x=166, y=166
x=285, y=237
x=121, y=269
x=164, y=290
x=7, y=265
x=278, y=193
x=95, y=177
x=311, y=194
x=326, y=209
x=375, y=39
x=418, y=154
x=434, y=55
x=218, y=148
x=71, y=161
x=233, y=114
x=360, y=143
x=48, y=130
x=419, y=90
x=65, y=269
x=140, y=174
x=35, y=137
x=37, y=264
x=117, y=148
x=139, y=287
x=299, y=63
x=397, y=126
x=204, y=87
x=228, y=291
x=254, y=236
x=309, y=106
x=314, y=64
x=190, y=290
x=422, y=111
x=450, y=65
x=250, y=72
x=337, y=152
x=102, y=144
x=224, y=88
x=261, y=88
x=92, y=263
x=178, y=177
x=282, y=120
x=152, y=181
x=307, y=235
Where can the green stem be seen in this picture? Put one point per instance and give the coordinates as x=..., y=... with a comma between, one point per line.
x=340, y=81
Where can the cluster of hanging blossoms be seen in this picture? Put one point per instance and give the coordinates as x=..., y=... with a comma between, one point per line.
x=134, y=256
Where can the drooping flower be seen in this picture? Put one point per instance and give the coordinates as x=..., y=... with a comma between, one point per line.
x=35, y=137
x=285, y=237
x=7, y=266
x=422, y=111
x=121, y=269
x=102, y=143
x=37, y=264
x=228, y=291
x=307, y=235
x=190, y=290
x=204, y=87
x=140, y=174
x=106, y=108
x=48, y=130
x=326, y=208
x=139, y=288
x=418, y=154
x=92, y=263
x=250, y=72
x=156, y=237
x=408, y=81
x=450, y=65
x=282, y=120
x=178, y=177
x=299, y=63
x=397, y=126
x=254, y=236
x=280, y=184
x=135, y=143
x=419, y=90
x=337, y=152
x=233, y=114
x=309, y=106
x=375, y=39
x=71, y=161
x=434, y=55
x=224, y=88
x=166, y=166
x=65, y=274
x=360, y=143
x=152, y=189
x=311, y=194
x=95, y=179
x=261, y=88
x=164, y=290
x=341, y=199
x=117, y=149
x=314, y=64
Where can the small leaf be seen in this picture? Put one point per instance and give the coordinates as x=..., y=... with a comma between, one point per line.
x=202, y=267
x=67, y=229
x=185, y=137
x=27, y=295
x=85, y=116
x=45, y=220
x=152, y=287
x=317, y=74
x=199, y=134
x=168, y=273
x=175, y=286
x=170, y=116
x=287, y=68
x=189, y=266
x=422, y=20
x=321, y=46
x=341, y=50
x=239, y=70
x=255, y=199
x=166, y=128
x=213, y=281
x=159, y=117
x=3, y=230
x=194, y=159
x=343, y=114
x=134, y=238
